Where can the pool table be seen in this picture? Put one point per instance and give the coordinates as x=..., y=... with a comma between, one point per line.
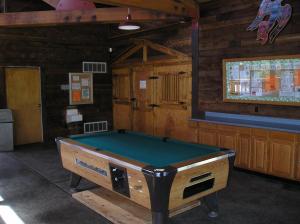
x=158, y=173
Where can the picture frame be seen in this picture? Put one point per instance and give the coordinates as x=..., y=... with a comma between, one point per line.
x=262, y=80
x=81, y=88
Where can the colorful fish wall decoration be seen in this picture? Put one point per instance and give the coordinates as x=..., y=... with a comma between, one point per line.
x=271, y=19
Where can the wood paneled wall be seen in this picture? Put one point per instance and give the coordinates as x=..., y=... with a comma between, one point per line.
x=58, y=51
x=223, y=35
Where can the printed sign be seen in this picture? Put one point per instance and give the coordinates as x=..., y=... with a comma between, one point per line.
x=143, y=84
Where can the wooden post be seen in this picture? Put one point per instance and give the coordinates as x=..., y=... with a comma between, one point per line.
x=195, y=65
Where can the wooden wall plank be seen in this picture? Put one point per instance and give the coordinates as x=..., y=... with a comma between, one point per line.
x=223, y=35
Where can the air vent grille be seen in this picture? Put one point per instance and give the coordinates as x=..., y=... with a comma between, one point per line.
x=94, y=67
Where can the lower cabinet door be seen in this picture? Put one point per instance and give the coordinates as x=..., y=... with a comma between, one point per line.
x=259, y=155
x=208, y=137
x=297, y=165
x=243, y=151
x=227, y=139
x=282, y=157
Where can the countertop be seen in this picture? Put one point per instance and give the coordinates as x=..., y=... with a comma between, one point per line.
x=251, y=121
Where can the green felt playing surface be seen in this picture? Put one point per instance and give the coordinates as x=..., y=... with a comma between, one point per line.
x=147, y=149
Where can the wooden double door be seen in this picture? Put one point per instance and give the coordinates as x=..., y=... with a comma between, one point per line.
x=23, y=97
x=133, y=105
x=154, y=100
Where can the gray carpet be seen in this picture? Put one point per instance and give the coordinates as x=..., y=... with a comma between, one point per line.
x=34, y=184
x=36, y=200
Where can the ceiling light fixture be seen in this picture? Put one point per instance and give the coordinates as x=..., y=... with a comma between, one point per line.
x=128, y=24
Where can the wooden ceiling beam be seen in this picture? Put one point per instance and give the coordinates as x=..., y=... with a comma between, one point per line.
x=188, y=8
x=100, y=15
x=53, y=3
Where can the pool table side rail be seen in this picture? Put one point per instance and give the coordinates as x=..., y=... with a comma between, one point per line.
x=200, y=161
x=118, y=160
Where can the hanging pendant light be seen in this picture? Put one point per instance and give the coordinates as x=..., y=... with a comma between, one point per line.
x=128, y=24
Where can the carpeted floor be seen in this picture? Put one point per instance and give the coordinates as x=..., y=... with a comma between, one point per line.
x=35, y=186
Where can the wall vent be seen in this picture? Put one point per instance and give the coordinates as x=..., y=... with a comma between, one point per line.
x=94, y=67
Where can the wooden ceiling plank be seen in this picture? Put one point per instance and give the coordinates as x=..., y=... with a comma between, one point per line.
x=179, y=7
x=101, y=15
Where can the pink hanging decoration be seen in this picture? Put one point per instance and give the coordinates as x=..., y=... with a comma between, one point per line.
x=271, y=19
x=75, y=5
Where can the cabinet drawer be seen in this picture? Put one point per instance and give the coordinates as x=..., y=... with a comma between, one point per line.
x=206, y=125
x=298, y=138
x=260, y=132
x=282, y=136
x=245, y=131
x=227, y=128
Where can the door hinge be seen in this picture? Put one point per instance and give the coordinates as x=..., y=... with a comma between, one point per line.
x=153, y=77
x=153, y=105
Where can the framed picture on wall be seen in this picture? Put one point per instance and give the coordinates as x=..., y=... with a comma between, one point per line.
x=81, y=88
x=264, y=80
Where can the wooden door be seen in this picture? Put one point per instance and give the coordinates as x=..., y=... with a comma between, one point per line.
x=282, y=154
x=173, y=95
x=23, y=91
x=243, y=149
x=122, y=91
x=260, y=151
x=143, y=87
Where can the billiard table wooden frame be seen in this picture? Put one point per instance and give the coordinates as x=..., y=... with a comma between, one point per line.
x=158, y=189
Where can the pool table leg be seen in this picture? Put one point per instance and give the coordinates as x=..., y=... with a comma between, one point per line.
x=211, y=202
x=160, y=217
x=159, y=183
x=74, y=181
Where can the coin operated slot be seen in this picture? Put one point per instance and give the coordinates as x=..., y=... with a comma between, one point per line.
x=119, y=179
x=198, y=188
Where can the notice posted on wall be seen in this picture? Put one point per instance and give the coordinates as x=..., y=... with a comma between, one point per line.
x=143, y=84
x=81, y=88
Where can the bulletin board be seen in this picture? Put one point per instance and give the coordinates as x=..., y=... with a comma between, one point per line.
x=81, y=88
x=265, y=80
